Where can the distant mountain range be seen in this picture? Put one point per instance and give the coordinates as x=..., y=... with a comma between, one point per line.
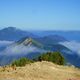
x=31, y=48
x=19, y=43
x=13, y=34
x=69, y=35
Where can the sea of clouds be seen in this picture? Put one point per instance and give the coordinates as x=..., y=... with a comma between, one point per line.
x=20, y=49
x=72, y=45
x=4, y=43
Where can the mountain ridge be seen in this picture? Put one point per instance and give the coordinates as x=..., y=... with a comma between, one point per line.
x=29, y=47
x=13, y=34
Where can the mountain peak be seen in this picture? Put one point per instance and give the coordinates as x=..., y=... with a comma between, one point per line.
x=14, y=34
x=10, y=28
x=28, y=41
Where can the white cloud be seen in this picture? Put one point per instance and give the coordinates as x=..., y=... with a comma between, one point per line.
x=72, y=45
x=3, y=43
x=20, y=49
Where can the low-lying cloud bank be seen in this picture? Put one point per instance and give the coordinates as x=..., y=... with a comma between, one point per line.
x=72, y=45
x=20, y=49
x=3, y=43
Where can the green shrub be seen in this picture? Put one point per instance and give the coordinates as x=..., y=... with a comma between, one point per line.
x=21, y=62
x=54, y=57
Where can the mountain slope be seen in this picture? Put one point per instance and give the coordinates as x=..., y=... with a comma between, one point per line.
x=70, y=35
x=40, y=71
x=51, y=39
x=29, y=41
x=25, y=47
x=13, y=34
x=31, y=48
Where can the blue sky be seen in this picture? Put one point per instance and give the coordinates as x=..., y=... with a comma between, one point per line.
x=40, y=14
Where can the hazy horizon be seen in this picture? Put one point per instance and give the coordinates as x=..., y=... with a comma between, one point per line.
x=38, y=29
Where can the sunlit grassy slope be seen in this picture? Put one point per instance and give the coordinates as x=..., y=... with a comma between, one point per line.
x=40, y=71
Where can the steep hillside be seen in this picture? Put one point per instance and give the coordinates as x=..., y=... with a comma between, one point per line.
x=26, y=47
x=40, y=71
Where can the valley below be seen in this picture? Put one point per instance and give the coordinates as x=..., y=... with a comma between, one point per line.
x=40, y=71
x=16, y=44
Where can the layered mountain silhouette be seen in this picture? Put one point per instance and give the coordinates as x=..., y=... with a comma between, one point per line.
x=29, y=45
x=31, y=48
x=69, y=35
x=13, y=34
x=26, y=47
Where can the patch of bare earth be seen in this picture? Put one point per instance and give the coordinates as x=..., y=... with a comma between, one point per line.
x=40, y=71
